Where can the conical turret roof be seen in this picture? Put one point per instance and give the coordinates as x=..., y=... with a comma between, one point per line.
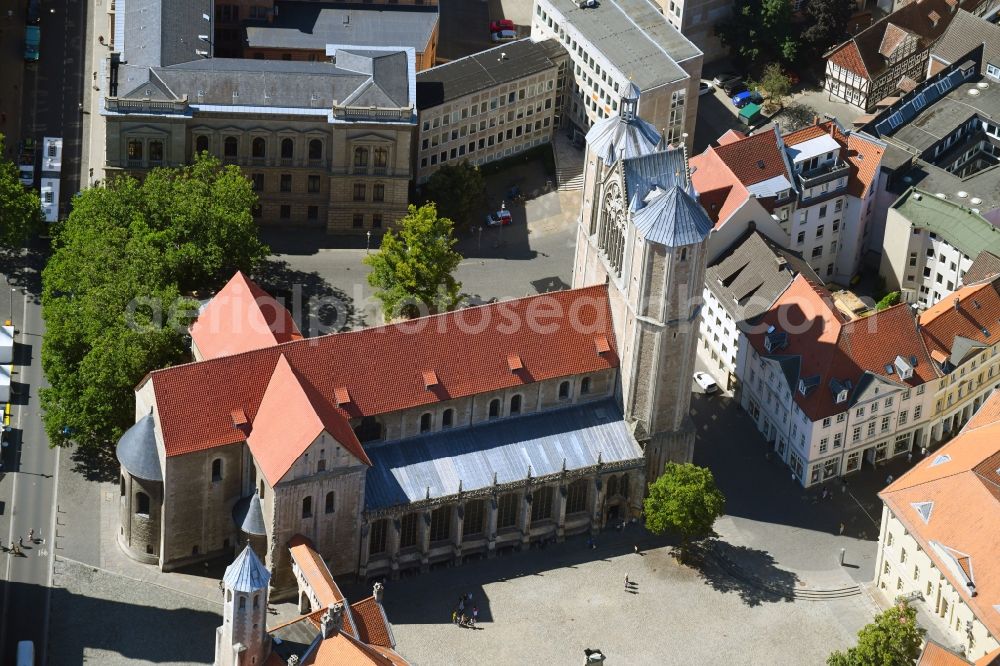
x=248, y=515
x=246, y=573
x=136, y=450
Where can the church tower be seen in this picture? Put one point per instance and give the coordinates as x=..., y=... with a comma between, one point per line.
x=242, y=640
x=643, y=232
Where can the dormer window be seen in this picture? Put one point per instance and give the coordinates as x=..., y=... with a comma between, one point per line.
x=775, y=340
x=903, y=367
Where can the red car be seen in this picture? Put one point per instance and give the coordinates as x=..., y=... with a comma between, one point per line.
x=501, y=25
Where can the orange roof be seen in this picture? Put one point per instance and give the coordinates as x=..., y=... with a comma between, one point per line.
x=720, y=192
x=862, y=155
x=961, y=533
x=979, y=308
x=936, y=655
x=382, y=367
x=289, y=419
x=241, y=317
x=341, y=649
x=371, y=622
x=754, y=159
x=821, y=343
x=989, y=659
x=315, y=571
x=730, y=136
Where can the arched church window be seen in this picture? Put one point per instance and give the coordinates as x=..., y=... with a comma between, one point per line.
x=494, y=408
x=142, y=503
x=563, y=390
x=243, y=602
x=684, y=254
x=611, y=234
x=328, y=508
x=585, y=386
x=217, y=469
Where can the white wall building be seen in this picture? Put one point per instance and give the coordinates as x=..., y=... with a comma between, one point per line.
x=618, y=43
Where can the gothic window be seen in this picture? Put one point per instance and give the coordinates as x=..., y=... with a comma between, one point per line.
x=123, y=485
x=307, y=507
x=376, y=537
x=441, y=523
x=256, y=601
x=217, y=469
x=507, y=510
x=541, y=504
x=611, y=235
x=576, y=496
x=623, y=485
x=474, y=514
x=328, y=508
x=408, y=530
x=563, y=390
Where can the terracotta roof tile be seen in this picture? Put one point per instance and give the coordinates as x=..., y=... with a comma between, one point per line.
x=989, y=659
x=965, y=523
x=985, y=266
x=731, y=136
x=754, y=159
x=720, y=192
x=828, y=346
x=979, y=308
x=371, y=622
x=241, y=317
x=381, y=367
x=315, y=571
x=847, y=56
x=936, y=655
x=341, y=649
x=891, y=39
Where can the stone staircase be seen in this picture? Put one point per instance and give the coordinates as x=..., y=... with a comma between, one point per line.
x=569, y=163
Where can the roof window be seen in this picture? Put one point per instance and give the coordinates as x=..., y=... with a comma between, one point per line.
x=514, y=362
x=924, y=509
x=341, y=395
x=430, y=379
x=775, y=341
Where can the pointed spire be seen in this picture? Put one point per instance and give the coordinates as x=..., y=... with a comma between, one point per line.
x=246, y=573
x=630, y=102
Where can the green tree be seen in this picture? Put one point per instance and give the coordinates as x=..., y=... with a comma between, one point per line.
x=412, y=272
x=777, y=85
x=888, y=301
x=826, y=24
x=684, y=500
x=114, y=290
x=20, y=207
x=459, y=190
x=758, y=30
x=893, y=638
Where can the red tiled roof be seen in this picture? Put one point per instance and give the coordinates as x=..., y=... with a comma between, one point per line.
x=341, y=649
x=962, y=535
x=754, y=159
x=861, y=154
x=847, y=56
x=382, y=367
x=891, y=39
x=936, y=655
x=979, y=308
x=829, y=347
x=315, y=571
x=731, y=136
x=241, y=317
x=371, y=623
x=289, y=420
x=720, y=192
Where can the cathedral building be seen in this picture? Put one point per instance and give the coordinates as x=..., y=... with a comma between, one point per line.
x=444, y=438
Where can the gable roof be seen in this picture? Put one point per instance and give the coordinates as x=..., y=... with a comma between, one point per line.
x=868, y=53
x=756, y=158
x=962, y=535
x=241, y=317
x=289, y=420
x=985, y=266
x=944, y=327
x=965, y=32
x=935, y=654
x=826, y=346
x=554, y=334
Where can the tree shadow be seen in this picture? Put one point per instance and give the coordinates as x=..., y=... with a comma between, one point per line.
x=95, y=463
x=746, y=571
x=316, y=306
x=23, y=268
x=794, y=117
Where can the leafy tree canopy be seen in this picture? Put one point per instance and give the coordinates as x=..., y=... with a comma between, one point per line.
x=20, y=207
x=826, y=24
x=684, y=500
x=776, y=83
x=893, y=638
x=412, y=272
x=459, y=190
x=113, y=292
x=888, y=300
x=759, y=30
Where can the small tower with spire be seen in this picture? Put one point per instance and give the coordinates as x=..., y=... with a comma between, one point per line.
x=630, y=102
x=242, y=640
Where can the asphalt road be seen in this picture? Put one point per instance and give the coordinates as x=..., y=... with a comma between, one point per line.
x=53, y=88
x=27, y=489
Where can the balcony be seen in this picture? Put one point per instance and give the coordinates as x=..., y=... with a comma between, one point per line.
x=823, y=174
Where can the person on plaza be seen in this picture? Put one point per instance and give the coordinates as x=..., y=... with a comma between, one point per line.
x=461, y=620
x=841, y=529
x=20, y=542
x=626, y=581
x=454, y=617
x=461, y=604
x=636, y=548
x=31, y=536
x=923, y=451
x=475, y=615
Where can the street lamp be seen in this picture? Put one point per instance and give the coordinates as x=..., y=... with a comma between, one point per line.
x=368, y=241
x=11, y=308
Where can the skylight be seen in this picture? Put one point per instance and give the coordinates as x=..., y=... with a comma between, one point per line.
x=940, y=460
x=924, y=509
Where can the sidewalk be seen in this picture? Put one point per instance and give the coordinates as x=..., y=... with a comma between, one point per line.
x=11, y=74
x=93, y=138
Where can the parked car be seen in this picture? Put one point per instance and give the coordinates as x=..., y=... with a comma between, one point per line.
x=733, y=86
x=499, y=218
x=502, y=24
x=741, y=99
x=32, y=38
x=705, y=87
x=503, y=36
x=706, y=383
x=725, y=76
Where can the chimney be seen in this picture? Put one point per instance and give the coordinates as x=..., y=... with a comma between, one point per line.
x=958, y=304
x=293, y=660
x=377, y=591
x=333, y=619
x=815, y=120
x=833, y=129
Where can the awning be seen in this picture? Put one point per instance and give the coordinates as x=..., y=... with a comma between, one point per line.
x=501, y=451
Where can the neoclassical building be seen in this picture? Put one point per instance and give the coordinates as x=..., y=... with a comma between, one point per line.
x=448, y=437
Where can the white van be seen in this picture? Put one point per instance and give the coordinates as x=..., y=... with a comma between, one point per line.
x=25, y=653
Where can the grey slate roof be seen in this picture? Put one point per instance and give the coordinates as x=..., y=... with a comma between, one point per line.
x=246, y=573
x=248, y=516
x=136, y=450
x=663, y=169
x=311, y=25
x=482, y=71
x=361, y=77
x=635, y=36
x=503, y=451
x=752, y=273
x=986, y=265
x=615, y=138
x=673, y=218
x=965, y=32
x=160, y=32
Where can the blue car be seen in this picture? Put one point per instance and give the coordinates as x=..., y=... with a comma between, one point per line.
x=747, y=97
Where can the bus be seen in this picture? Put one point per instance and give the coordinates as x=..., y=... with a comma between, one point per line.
x=25, y=653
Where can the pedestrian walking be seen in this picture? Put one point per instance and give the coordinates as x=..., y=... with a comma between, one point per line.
x=636, y=547
x=475, y=615
x=841, y=530
x=31, y=536
x=888, y=479
x=454, y=617
x=626, y=581
x=923, y=451
x=20, y=541
x=461, y=604
x=909, y=457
